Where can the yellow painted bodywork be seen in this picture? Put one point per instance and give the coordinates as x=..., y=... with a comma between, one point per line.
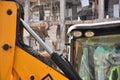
x=15, y=63
x=7, y=36
x=27, y=66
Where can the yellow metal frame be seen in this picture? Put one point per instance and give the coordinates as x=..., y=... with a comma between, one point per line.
x=15, y=63
x=7, y=36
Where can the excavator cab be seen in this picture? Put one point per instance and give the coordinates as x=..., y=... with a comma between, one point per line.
x=94, y=50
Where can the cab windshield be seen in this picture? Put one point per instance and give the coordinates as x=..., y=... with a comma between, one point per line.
x=98, y=58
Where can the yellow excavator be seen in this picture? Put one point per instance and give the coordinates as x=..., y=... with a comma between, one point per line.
x=94, y=50
x=20, y=62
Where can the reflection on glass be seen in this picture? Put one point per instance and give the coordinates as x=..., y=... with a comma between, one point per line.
x=97, y=57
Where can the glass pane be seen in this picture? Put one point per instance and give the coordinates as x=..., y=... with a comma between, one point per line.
x=97, y=57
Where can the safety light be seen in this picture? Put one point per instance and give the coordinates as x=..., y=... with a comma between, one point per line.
x=89, y=34
x=77, y=33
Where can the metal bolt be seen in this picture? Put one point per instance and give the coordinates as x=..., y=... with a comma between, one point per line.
x=6, y=47
x=32, y=77
x=9, y=12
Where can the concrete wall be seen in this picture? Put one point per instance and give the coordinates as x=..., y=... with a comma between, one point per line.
x=110, y=9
